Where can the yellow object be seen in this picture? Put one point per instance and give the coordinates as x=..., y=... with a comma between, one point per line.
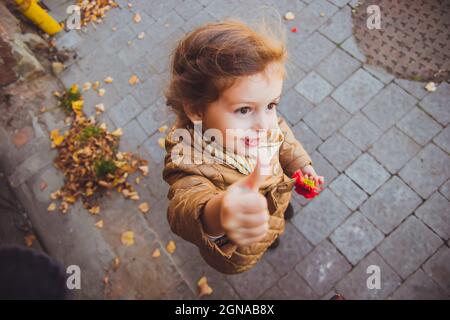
x=33, y=11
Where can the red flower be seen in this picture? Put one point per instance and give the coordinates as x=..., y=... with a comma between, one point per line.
x=304, y=186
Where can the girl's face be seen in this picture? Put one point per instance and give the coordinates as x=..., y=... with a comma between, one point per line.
x=250, y=104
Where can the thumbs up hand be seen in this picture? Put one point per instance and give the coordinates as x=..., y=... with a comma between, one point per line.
x=244, y=214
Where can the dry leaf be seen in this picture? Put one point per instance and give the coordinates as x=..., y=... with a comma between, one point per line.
x=289, y=16
x=162, y=142
x=99, y=108
x=137, y=17
x=51, y=207
x=156, y=253
x=137, y=180
x=144, y=170
x=56, y=138
x=127, y=238
x=162, y=129
x=203, y=288
x=322, y=14
x=130, y=5
x=431, y=87
x=108, y=80
x=29, y=239
x=171, y=247
x=43, y=185
x=133, y=80
x=116, y=263
x=96, y=85
x=87, y=86
x=94, y=210
x=117, y=133
x=144, y=207
x=101, y=92
x=141, y=35
x=99, y=224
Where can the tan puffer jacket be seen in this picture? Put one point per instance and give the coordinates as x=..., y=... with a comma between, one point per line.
x=192, y=185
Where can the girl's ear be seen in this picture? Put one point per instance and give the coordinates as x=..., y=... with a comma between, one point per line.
x=192, y=114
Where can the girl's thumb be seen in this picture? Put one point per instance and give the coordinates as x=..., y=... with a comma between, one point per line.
x=254, y=179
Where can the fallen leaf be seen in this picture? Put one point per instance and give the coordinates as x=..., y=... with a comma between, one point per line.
x=57, y=68
x=431, y=87
x=99, y=224
x=77, y=106
x=156, y=253
x=141, y=35
x=144, y=170
x=127, y=238
x=99, y=108
x=21, y=137
x=116, y=263
x=144, y=207
x=56, y=138
x=87, y=86
x=96, y=85
x=117, y=133
x=29, y=239
x=322, y=14
x=51, y=207
x=108, y=80
x=133, y=80
x=137, y=180
x=170, y=247
x=106, y=280
x=137, y=17
x=101, y=92
x=129, y=5
x=94, y=210
x=162, y=129
x=203, y=287
x=43, y=185
x=289, y=16
x=162, y=142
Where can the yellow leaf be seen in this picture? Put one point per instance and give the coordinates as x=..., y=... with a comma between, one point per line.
x=162, y=129
x=133, y=80
x=77, y=106
x=162, y=142
x=56, y=138
x=170, y=247
x=51, y=207
x=101, y=92
x=96, y=85
x=144, y=207
x=29, y=239
x=87, y=86
x=99, y=108
x=99, y=224
x=289, y=16
x=108, y=80
x=144, y=170
x=94, y=210
x=141, y=35
x=156, y=253
x=137, y=17
x=127, y=238
x=203, y=288
x=117, y=133
x=74, y=88
x=70, y=199
x=137, y=180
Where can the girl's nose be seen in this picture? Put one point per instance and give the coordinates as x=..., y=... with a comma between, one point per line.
x=260, y=121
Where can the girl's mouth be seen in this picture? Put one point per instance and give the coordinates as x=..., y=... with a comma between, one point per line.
x=251, y=142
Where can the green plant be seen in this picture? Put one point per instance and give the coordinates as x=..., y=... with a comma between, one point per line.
x=88, y=132
x=103, y=167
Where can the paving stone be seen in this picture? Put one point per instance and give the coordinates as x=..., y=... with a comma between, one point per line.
x=311, y=17
x=356, y=237
x=292, y=249
x=339, y=26
x=124, y=111
x=313, y=87
x=361, y=131
x=199, y=19
x=427, y=170
x=339, y=151
x=339, y=3
x=354, y=285
x=351, y=47
x=445, y=189
x=357, y=90
x=274, y=293
x=321, y=216
x=293, y=106
x=389, y=106
x=323, y=267
x=311, y=51
x=295, y=288
x=394, y=149
x=146, y=22
x=379, y=73
x=419, y=287
x=151, y=145
x=392, y=203
x=188, y=8
x=133, y=135
x=293, y=75
x=323, y=167
x=220, y=11
x=435, y=212
x=443, y=139
x=253, y=283
x=436, y=104
x=419, y=126
x=306, y=136
x=109, y=100
x=409, y=246
x=148, y=92
x=337, y=67
x=348, y=192
x=155, y=116
x=438, y=268
x=330, y=113
x=417, y=89
x=118, y=39
x=165, y=25
x=157, y=9
x=367, y=173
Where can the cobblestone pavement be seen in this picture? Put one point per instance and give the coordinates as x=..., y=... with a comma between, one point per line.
x=382, y=144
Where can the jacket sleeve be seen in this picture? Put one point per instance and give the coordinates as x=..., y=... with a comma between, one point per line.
x=188, y=197
x=292, y=154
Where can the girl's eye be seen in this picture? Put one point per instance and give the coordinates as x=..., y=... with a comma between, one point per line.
x=272, y=106
x=243, y=110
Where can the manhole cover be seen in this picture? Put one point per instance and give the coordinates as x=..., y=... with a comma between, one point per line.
x=414, y=39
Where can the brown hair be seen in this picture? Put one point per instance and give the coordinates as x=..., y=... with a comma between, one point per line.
x=208, y=60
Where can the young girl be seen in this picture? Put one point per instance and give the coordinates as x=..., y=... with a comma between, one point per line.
x=225, y=196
